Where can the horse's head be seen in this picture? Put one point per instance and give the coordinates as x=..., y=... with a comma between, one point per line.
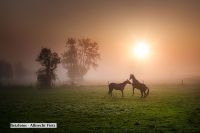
x=132, y=77
x=128, y=82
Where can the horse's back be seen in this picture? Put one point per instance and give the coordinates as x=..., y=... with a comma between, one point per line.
x=111, y=85
x=115, y=86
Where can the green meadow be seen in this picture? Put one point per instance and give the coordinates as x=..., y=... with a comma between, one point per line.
x=168, y=108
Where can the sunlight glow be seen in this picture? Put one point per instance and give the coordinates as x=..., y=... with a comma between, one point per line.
x=141, y=50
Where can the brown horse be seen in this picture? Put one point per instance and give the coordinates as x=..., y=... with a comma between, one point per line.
x=119, y=86
x=140, y=86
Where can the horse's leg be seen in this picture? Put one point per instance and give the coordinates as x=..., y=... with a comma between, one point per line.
x=141, y=93
x=144, y=92
x=109, y=91
x=122, y=93
x=133, y=88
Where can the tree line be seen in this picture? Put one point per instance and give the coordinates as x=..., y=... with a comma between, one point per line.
x=79, y=56
x=9, y=71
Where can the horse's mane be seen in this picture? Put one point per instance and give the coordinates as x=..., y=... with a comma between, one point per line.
x=135, y=80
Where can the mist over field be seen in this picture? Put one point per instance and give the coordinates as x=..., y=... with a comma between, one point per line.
x=171, y=29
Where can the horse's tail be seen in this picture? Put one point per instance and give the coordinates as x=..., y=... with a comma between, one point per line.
x=147, y=91
x=108, y=88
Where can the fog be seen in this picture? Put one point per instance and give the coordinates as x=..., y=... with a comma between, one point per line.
x=171, y=29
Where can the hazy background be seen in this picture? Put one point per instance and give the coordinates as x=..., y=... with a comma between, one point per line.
x=171, y=27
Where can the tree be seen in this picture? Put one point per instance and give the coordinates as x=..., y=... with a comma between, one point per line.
x=49, y=61
x=79, y=57
x=6, y=71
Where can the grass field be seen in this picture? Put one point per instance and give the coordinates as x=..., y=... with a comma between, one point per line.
x=168, y=108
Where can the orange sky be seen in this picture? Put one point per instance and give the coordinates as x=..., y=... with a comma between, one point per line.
x=172, y=29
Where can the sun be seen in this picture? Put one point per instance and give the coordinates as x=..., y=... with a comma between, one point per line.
x=141, y=50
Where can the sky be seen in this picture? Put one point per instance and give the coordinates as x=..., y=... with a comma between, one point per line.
x=171, y=28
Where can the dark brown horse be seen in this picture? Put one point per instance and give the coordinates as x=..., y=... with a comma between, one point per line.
x=140, y=86
x=119, y=86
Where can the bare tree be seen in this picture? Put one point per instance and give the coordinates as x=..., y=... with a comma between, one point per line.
x=79, y=57
x=49, y=61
